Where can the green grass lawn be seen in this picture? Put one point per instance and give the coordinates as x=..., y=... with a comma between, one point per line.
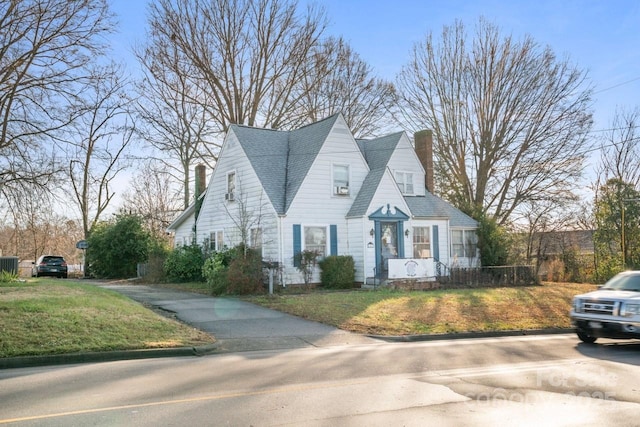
x=386, y=312
x=56, y=316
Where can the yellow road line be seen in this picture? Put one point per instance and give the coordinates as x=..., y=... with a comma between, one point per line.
x=179, y=401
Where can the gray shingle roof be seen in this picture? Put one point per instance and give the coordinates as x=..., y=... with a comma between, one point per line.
x=267, y=152
x=282, y=159
x=430, y=206
x=377, y=152
x=366, y=193
x=304, y=146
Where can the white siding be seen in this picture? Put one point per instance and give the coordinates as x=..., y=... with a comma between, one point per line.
x=387, y=194
x=250, y=209
x=184, y=232
x=357, y=239
x=405, y=159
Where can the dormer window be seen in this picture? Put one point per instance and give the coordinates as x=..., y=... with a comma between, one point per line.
x=231, y=186
x=340, y=180
x=405, y=182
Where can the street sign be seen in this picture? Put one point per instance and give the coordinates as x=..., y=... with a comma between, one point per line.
x=82, y=244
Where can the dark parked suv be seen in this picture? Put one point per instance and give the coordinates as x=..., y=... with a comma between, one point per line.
x=50, y=265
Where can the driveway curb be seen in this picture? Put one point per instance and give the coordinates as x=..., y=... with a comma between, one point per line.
x=104, y=356
x=466, y=335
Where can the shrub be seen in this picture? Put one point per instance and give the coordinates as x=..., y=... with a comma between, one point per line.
x=244, y=275
x=117, y=246
x=337, y=272
x=305, y=262
x=493, y=242
x=234, y=271
x=214, y=271
x=184, y=264
x=8, y=277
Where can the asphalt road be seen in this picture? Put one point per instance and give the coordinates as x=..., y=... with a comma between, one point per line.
x=550, y=380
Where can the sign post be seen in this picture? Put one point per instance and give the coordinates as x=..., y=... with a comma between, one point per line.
x=83, y=245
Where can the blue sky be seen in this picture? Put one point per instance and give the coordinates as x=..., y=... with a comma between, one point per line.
x=602, y=37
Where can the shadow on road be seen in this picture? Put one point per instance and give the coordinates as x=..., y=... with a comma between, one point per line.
x=614, y=351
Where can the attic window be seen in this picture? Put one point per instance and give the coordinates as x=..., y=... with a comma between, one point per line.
x=340, y=180
x=231, y=186
x=405, y=182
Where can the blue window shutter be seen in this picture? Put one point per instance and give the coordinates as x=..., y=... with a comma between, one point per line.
x=400, y=234
x=297, y=244
x=333, y=233
x=436, y=243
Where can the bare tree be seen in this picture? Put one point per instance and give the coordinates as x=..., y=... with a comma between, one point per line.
x=173, y=112
x=153, y=197
x=248, y=56
x=509, y=118
x=340, y=81
x=248, y=215
x=45, y=46
x=98, y=144
x=31, y=228
x=620, y=148
x=542, y=222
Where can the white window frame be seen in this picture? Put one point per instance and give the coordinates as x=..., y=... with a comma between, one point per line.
x=216, y=240
x=467, y=247
x=337, y=187
x=231, y=185
x=404, y=179
x=303, y=237
x=427, y=233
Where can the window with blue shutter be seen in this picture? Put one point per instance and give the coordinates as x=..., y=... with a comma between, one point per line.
x=297, y=245
x=436, y=243
x=333, y=235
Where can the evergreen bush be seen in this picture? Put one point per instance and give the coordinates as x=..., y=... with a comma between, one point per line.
x=337, y=272
x=184, y=264
x=235, y=271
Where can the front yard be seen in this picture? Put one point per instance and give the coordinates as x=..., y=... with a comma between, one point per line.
x=52, y=316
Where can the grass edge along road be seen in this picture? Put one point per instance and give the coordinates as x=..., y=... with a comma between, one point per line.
x=59, y=316
x=52, y=316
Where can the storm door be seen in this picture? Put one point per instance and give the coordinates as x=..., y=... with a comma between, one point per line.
x=388, y=242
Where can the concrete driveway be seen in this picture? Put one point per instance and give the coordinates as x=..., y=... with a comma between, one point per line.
x=238, y=325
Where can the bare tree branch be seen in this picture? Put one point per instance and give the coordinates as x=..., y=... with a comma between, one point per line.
x=45, y=47
x=510, y=119
x=98, y=142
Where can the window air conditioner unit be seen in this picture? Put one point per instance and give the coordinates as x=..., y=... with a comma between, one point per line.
x=342, y=190
x=228, y=196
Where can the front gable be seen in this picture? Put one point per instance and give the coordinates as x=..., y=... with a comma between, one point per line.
x=229, y=211
x=404, y=162
x=316, y=192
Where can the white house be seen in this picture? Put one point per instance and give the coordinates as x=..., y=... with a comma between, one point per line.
x=318, y=188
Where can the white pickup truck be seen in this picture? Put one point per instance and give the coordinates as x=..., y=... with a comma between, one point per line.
x=612, y=311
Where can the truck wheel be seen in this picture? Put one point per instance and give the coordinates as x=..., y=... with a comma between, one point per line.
x=586, y=338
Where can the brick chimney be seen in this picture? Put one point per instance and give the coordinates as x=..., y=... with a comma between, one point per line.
x=424, y=149
x=201, y=177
